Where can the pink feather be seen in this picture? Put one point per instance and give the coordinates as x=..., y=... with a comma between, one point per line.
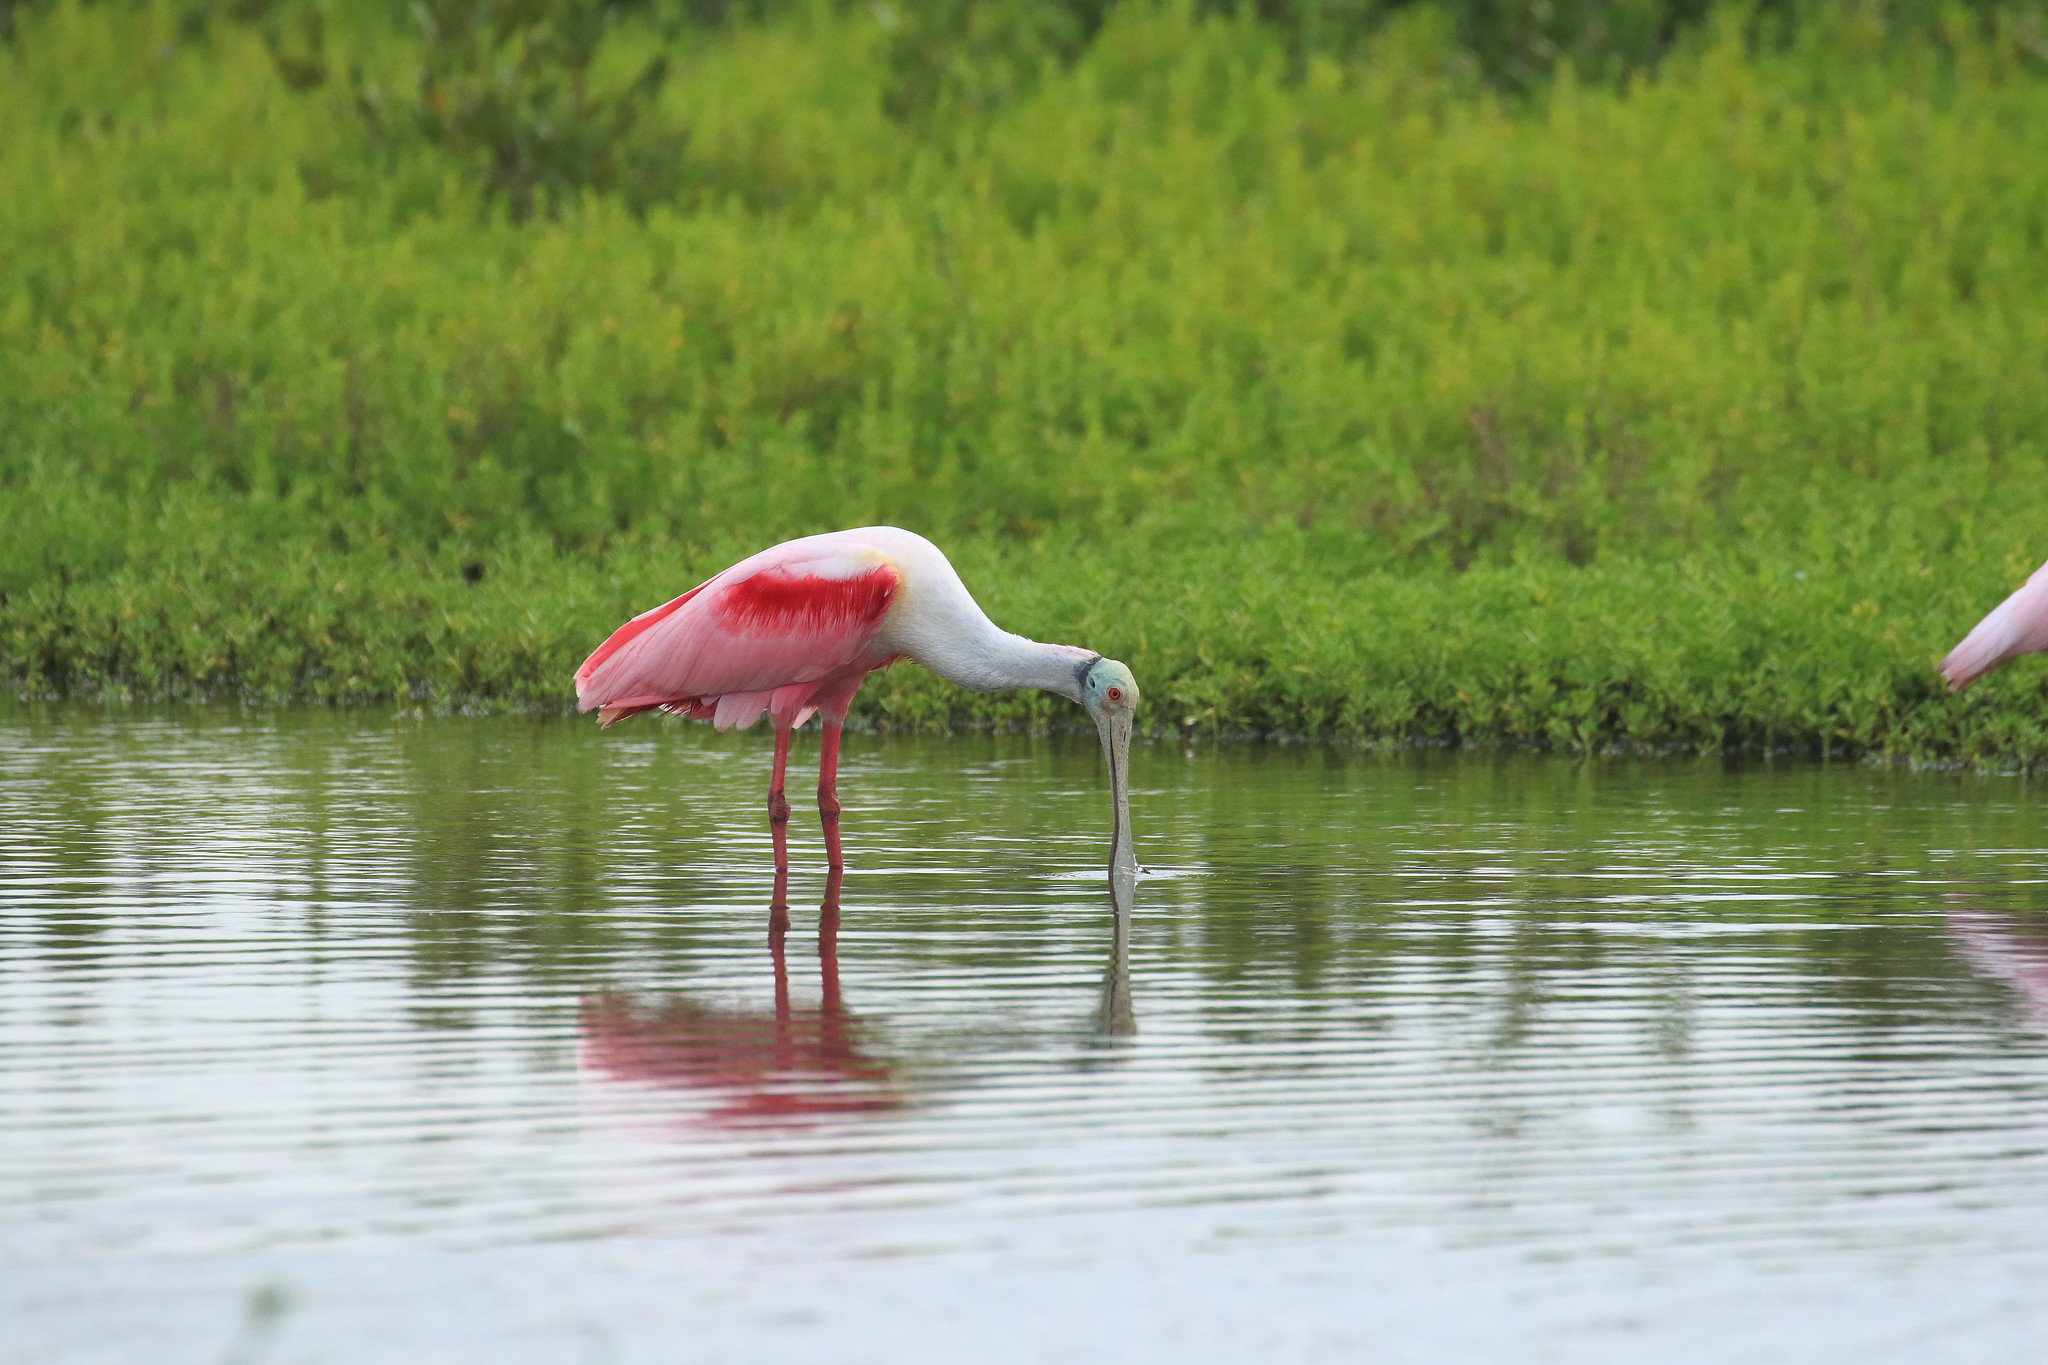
x=789, y=632
x=2018, y=625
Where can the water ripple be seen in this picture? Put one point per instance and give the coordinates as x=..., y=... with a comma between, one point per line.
x=296, y=984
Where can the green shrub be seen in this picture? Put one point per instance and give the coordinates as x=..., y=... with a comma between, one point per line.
x=507, y=88
x=1340, y=397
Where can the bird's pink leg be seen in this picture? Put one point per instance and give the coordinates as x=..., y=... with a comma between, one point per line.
x=828, y=794
x=778, y=829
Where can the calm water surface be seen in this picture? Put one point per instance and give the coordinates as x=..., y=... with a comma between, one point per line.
x=343, y=1038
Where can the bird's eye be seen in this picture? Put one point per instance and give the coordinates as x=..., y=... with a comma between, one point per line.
x=1115, y=694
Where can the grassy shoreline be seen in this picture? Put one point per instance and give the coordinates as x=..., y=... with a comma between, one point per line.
x=1349, y=400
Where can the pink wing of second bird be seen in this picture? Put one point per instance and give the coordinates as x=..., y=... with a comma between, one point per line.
x=789, y=631
x=2018, y=625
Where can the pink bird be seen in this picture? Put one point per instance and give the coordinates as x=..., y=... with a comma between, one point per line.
x=2016, y=626
x=793, y=632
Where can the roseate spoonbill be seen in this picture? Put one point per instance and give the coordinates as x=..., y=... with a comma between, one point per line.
x=2018, y=625
x=795, y=629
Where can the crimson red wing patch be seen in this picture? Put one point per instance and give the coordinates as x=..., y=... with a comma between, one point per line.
x=774, y=602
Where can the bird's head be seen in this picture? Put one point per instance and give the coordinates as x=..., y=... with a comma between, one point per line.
x=1110, y=694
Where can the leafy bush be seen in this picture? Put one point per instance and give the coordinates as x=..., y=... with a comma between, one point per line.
x=1336, y=397
x=510, y=88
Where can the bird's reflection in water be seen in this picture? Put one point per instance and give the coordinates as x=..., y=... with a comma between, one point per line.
x=2006, y=949
x=791, y=1065
x=1116, y=1017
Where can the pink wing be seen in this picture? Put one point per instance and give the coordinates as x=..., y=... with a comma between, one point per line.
x=2018, y=625
x=788, y=630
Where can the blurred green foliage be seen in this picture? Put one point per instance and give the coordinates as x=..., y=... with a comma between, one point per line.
x=505, y=87
x=1334, y=391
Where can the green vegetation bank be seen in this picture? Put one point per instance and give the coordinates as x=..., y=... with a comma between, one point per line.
x=1356, y=390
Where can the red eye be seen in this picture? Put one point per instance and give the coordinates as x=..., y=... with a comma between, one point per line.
x=1115, y=694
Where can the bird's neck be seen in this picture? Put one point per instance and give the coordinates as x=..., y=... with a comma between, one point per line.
x=982, y=657
x=1013, y=663
x=938, y=623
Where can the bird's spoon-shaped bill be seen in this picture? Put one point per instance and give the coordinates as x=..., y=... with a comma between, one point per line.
x=1115, y=729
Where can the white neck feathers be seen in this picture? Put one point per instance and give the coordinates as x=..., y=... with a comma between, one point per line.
x=935, y=621
x=1002, y=662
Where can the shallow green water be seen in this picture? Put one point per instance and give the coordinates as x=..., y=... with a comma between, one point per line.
x=332, y=1037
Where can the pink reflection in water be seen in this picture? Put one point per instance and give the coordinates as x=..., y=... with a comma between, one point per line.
x=794, y=1065
x=2006, y=950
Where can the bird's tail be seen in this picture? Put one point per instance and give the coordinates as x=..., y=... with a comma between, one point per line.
x=1982, y=650
x=2018, y=625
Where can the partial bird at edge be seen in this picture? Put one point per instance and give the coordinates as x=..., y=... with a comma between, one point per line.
x=2016, y=626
